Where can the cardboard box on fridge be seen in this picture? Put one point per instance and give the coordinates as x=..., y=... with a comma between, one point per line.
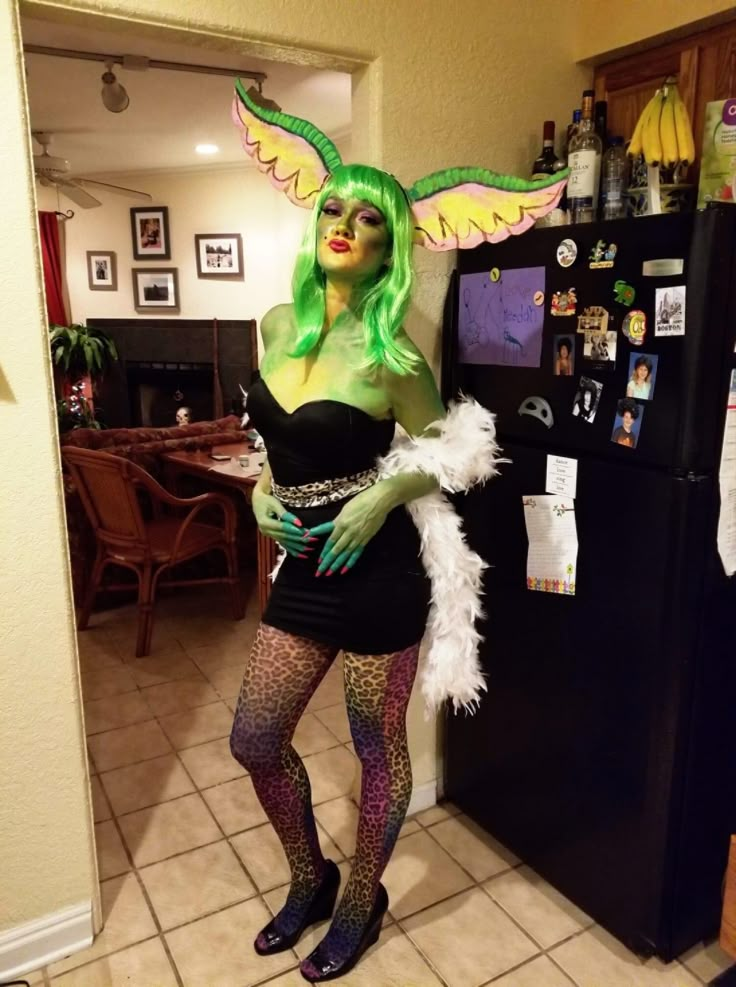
x=718, y=165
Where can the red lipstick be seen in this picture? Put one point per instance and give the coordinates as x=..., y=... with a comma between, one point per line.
x=339, y=246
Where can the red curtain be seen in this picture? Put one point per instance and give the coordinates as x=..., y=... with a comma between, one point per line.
x=52, y=270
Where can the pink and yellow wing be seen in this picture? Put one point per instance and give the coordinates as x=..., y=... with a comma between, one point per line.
x=461, y=208
x=297, y=157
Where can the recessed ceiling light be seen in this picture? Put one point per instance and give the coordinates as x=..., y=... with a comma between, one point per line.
x=206, y=148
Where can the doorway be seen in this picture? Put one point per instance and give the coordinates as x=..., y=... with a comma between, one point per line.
x=192, y=678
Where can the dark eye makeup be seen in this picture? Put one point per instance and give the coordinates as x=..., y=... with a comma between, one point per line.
x=368, y=215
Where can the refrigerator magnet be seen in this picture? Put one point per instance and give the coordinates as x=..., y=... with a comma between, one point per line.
x=537, y=407
x=564, y=302
x=594, y=318
x=624, y=293
x=495, y=275
x=563, y=356
x=663, y=267
x=599, y=350
x=642, y=376
x=670, y=311
x=602, y=255
x=627, y=423
x=538, y=298
x=566, y=253
x=586, y=400
x=635, y=326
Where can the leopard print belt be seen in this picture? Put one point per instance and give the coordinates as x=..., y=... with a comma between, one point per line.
x=325, y=491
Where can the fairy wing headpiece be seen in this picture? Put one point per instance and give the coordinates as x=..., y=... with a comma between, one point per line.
x=454, y=208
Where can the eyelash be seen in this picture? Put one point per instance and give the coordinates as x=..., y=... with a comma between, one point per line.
x=367, y=218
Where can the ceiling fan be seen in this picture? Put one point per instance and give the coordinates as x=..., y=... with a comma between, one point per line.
x=53, y=171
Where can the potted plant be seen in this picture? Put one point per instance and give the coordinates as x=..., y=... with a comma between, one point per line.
x=81, y=355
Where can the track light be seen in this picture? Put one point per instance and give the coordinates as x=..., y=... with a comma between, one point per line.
x=114, y=95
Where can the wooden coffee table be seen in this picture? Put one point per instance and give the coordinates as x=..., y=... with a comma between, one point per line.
x=229, y=474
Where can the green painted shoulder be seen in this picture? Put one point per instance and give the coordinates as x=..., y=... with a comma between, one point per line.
x=278, y=321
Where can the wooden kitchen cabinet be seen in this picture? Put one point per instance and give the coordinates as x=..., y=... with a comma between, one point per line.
x=705, y=67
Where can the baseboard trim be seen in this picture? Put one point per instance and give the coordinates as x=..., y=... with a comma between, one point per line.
x=423, y=797
x=45, y=940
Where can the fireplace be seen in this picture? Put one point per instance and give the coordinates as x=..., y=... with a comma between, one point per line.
x=166, y=364
x=160, y=391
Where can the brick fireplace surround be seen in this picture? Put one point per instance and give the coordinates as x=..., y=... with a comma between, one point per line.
x=148, y=344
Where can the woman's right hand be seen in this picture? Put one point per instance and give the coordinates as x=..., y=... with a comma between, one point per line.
x=274, y=521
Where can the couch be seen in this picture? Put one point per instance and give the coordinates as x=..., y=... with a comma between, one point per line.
x=143, y=446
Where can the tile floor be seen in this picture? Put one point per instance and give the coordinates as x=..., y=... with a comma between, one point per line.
x=191, y=869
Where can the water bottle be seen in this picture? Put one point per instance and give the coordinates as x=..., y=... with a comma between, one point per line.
x=612, y=180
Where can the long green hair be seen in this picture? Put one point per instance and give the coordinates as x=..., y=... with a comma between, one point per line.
x=383, y=302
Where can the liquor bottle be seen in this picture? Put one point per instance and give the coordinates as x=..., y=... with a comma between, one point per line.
x=613, y=180
x=544, y=165
x=572, y=129
x=584, y=159
x=601, y=121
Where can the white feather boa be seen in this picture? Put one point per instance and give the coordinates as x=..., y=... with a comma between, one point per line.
x=461, y=454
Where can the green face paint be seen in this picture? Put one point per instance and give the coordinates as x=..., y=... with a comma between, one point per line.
x=352, y=240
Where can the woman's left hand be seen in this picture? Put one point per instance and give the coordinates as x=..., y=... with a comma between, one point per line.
x=350, y=532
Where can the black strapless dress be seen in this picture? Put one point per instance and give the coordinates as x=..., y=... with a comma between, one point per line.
x=380, y=605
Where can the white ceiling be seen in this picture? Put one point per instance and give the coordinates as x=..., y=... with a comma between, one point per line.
x=169, y=112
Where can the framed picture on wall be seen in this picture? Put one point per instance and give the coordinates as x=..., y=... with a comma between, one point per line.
x=150, y=228
x=156, y=289
x=102, y=270
x=219, y=255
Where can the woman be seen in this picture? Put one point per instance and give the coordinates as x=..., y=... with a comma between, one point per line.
x=353, y=515
x=337, y=374
x=640, y=383
x=584, y=404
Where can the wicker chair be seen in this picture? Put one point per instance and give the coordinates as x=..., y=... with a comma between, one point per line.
x=110, y=488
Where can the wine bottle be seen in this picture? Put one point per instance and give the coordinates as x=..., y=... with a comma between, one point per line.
x=544, y=164
x=584, y=159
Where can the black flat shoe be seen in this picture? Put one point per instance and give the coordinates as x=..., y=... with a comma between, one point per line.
x=271, y=940
x=317, y=967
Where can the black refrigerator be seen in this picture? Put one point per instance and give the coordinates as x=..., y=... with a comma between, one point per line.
x=604, y=752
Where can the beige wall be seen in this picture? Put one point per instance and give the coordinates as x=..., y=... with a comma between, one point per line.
x=45, y=822
x=212, y=201
x=435, y=85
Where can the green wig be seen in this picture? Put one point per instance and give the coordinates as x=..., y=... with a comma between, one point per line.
x=384, y=301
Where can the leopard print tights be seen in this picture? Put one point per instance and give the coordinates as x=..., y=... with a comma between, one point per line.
x=281, y=676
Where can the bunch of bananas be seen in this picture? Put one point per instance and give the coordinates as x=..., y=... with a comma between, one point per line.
x=663, y=132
